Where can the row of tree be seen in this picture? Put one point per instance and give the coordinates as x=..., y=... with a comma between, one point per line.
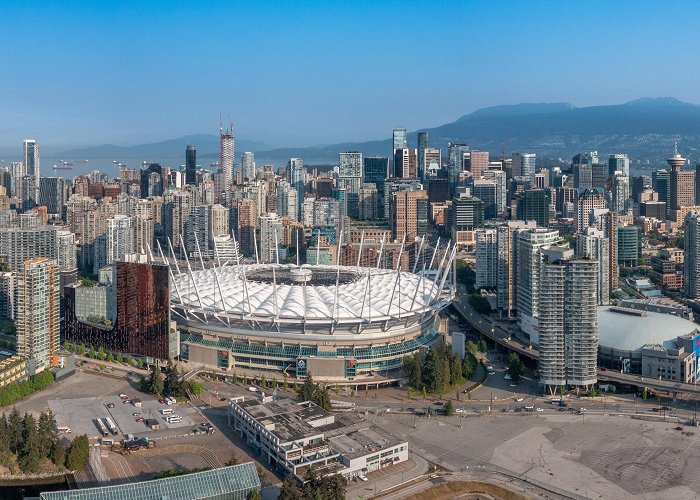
x=438, y=369
x=314, y=487
x=28, y=443
x=102, y=355
x=171, y=383
x=310, y=391
x=18, y=390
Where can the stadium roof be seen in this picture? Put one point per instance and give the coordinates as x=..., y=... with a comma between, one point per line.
x=234, y=482
x=287, y=292
x=629, y=331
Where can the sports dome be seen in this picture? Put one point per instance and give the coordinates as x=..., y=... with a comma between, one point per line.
x=289, y=294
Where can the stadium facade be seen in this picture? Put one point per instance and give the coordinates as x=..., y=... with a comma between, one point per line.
x=339, y=323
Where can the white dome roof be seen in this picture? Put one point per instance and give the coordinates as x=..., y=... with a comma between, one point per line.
x=629, y=332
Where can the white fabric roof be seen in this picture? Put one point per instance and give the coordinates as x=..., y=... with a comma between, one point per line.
x=312, y=302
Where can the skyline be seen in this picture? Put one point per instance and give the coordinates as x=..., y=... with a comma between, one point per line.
x=299, y=75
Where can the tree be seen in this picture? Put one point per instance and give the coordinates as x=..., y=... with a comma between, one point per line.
x=255, y=495
x=120, y=358
x=101, y=354
x=412, y=369
x=110, y=358
x=480, y=303
x=449, y=408
x=30, y=453
x=78, y=453
x=290, y=489
x=455, y=370
x=306, y=391
x=336, y=487
x=58, y=454
x=139, y=363
x=47, y=433
x=91, y=353
x=14, y=428
x=155, y=382
x=483, y=346
x=196, y=388
x=173, y=385
x=263, y=381
x=322, y=398
x=472, y=347
x=468, y=366
x=515, y=366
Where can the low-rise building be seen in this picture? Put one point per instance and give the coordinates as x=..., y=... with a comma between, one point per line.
x=294, y=436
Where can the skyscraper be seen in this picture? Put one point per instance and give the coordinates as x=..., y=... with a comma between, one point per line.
x=586, y=201
x=120, y=237
x=682, y=185
x=350, y=177
x=691, y=262
x=479, y=162
x=296, y=176
x=248, y=166
x=409, y=215
x=533, y=204
x=226, y=154
x=593, y=244
x=523, y=165
x=568, y=321
x=38, y=311
x=661, y=183
x=618, y=163
x=405, y=162
x=32, y=163
x=191, y=165
x=422, y=146
x=270, y=237
x=400, y=138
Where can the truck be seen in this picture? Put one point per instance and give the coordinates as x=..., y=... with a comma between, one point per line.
x=110, y=425
x=101, y=427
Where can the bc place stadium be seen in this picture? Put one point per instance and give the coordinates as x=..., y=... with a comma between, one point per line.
x=338, y=323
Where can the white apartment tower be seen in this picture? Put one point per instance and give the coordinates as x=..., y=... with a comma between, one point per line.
x=226, y=155
x=691, y=262
x=32, y=163
x=486, y=258
x=248, y=166
x=593, y=244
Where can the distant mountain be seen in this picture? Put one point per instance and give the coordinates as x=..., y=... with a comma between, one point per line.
x=207, y=147
x=645, y=129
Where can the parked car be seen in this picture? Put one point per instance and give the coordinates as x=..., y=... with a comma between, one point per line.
x=110, y=405
x=253, y=389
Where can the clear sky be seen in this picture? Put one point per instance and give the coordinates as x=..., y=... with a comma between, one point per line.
x=128, y=72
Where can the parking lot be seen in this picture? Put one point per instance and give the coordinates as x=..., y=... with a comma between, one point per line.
x=80, y=415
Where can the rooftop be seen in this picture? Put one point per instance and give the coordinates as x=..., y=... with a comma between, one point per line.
x=629, y=331
x=217, y=483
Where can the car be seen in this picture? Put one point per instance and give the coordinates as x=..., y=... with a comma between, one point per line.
x=504, y=410
x=123, y=395
x=161, y=401
x=640, y=378
x=140, y=419
x=253, y=389
x=507, y=377
x=514, y=385
x=459, y=410
x=110, y=405
x=492, y=373
x=562, y=409
x=571, y=410
x=363, y=478
x=539, y=409
x=530, y=408
x=136, y=414
x=195, y=431
x=439, y=403
x=222, y=399
x=126, y=401
x=410, y=409
x=489, y=368
x=519, y=399
x=604, y=369
x=130, y=373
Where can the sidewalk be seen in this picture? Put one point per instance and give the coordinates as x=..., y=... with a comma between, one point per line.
x=390, y=477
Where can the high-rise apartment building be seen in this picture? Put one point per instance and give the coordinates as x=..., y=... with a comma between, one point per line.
x=368, y=202
x=485, y=190
x=486, y=258
x=583, y=176
x=587, y=200
x=191, y=165
x=620, y=192
x=120, y=237
x=175, y=213
x=350, y=178
x=38, y=311
x=17, y=171
x=248, y=166
x=32, y=163
x=568, y=321
x=405, y=163
x=466, y=215
x=270, y=237
x=593, y=244
x=226, y=155
x=661, y=183
x=691, y=262
x=287, y=200
x=21, y=244
x=52, y=194
x=244, y=221
x=506, y=286
x=376, y=170
x=395, y=184
x=530, y=244
x=296, y=176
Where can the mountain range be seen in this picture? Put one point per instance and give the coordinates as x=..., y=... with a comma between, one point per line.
x=645, y=129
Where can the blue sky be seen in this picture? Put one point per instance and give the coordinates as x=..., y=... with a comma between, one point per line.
x=86, y=73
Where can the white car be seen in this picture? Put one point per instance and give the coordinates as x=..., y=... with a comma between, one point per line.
x=519, y=400
x=253, y=389
x=507, y=377
x=459, y=410
x=514, y=385
x=539, y=409
x=492, y=373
